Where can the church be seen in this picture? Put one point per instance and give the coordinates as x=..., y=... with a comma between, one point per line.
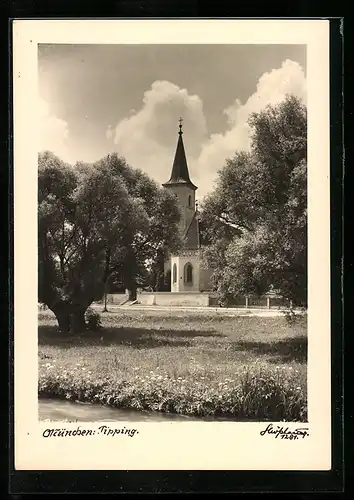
x=190, y=283
x=185, y=269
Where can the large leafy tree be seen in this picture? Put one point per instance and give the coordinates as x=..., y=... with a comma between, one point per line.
x=94, y=222
x=256, y=218
x=156, y=237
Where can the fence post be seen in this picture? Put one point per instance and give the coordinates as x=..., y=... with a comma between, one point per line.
x=268, y=302
x=246, y=302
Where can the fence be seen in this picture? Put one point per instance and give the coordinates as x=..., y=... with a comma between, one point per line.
x=262, y=302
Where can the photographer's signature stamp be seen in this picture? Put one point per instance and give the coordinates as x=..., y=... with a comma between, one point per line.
x=285, y=433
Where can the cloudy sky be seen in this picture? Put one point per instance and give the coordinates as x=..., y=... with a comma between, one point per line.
x=96, y=99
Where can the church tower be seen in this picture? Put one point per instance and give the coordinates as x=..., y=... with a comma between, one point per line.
x=184, y=267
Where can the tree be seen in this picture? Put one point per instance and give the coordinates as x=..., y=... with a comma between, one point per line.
x=156, y=238
x=257, y=215
x=91, y=224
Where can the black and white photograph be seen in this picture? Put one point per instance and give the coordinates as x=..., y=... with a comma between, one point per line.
x=172, y=226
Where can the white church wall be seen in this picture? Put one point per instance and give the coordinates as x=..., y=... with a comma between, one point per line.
x=174, y=284
x=181, y=261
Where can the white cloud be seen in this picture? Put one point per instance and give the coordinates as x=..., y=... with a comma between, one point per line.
x=147, y=138
x=271, y=89
x=109, y=132
x=53, y=133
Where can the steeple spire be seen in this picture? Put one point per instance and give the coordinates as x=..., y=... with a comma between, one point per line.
x=180, y=126
x=180, y=174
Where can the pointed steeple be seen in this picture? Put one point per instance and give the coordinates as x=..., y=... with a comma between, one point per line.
x=180, y=174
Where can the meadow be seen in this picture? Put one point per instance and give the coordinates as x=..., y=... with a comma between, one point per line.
x=243, y=368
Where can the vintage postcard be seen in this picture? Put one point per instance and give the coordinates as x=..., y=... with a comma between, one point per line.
x=172, y=236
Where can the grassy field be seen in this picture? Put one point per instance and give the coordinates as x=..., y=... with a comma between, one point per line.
x=239, y=367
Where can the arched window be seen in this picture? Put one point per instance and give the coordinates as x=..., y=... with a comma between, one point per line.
x=188, y=273
x=189, y=200
x=174, y=273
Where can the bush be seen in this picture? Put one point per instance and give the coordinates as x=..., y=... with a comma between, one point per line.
x=292, y=317
x=254, y=392
x=93, y=320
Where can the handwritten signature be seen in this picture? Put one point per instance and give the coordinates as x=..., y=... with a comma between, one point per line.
x=285, y=432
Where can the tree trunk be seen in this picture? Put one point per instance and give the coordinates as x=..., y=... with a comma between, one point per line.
x=105, y=303
x=62, y=313
x=105, y=297
x=77, y=320
x=132, y=293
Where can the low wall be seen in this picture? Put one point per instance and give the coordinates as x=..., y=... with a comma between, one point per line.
x=191, y=299
x=194, y=299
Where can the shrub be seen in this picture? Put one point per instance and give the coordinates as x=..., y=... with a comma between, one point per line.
x=293, y=316
x=93, y=320
x=254, y=392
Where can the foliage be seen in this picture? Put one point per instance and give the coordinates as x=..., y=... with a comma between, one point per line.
x=293, y=317
x=201, y=365
x=96, y=222
x=254, y=393
x=256, y=219
x=93, y=320
x=158, y=231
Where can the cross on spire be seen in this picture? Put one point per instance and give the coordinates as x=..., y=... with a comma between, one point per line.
x=180, y=126
x=180, y=174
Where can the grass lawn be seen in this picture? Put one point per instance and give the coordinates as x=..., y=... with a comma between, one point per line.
x=241, y=367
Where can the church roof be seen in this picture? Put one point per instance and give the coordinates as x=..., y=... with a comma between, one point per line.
x=191, y=235
x=180, y=174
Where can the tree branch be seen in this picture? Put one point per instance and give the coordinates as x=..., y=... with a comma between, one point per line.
x=223, y=218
